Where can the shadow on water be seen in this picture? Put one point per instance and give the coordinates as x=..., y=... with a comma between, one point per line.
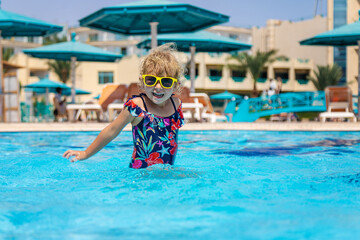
x=352, y=179
x=205, y=141
x=296, y=149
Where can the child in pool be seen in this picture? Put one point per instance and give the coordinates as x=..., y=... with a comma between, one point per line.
x=155, y=116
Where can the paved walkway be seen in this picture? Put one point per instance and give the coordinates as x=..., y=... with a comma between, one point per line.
x=267, y=126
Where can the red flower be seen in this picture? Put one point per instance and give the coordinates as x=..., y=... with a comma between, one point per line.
x=173, y=150
x=154, y=159
x=181, y=113
x=134, y=154
x=171, y=135
x=172, y=142
x=130, y=103
x=176, y=125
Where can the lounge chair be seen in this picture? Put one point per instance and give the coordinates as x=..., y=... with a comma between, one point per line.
x=191, y=106
x=338, y=103
x=115, y=108
x=133, y=89
x=110, y=93
x=208, y=111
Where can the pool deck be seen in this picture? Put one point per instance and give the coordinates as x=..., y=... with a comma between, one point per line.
x=264, y=126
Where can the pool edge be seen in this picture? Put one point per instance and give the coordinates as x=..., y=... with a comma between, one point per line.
x=257, y=126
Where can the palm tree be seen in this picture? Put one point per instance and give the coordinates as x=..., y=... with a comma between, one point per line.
x=254, y=64
x=61, y=68
x=326, y=76
x=7, y=53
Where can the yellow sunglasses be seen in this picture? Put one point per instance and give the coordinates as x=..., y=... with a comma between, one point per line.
x=165, y=82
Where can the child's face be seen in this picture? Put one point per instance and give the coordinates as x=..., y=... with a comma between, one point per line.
x=157, y=94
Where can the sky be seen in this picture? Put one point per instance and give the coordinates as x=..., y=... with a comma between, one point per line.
x=243, y=13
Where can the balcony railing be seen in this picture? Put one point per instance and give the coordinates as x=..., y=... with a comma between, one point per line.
x=238, y=79
x=215, y=78
x=262, y=80
x=302, y=81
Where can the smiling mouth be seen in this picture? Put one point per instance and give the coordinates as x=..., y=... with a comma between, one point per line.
x=158, y=95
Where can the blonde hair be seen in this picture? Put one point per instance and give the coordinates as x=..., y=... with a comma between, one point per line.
x=163, y=61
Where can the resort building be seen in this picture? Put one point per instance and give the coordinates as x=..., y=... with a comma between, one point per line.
x=298, y=62
x=213, y=73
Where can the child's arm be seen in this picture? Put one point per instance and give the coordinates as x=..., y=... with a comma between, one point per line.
x=104, y=137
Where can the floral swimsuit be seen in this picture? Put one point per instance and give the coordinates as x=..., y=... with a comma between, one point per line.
x=155, y=138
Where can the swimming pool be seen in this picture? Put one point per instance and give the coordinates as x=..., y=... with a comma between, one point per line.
x=224, y=185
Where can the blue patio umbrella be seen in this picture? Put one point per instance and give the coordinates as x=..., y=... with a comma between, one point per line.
x=201, y=41
x=74, y=51
x=46, y=86
x=78, y=91
x=13, y=24
x=225, y=96
x=16, y=25
x=347, y=35
x=46, y=83
x=66, y=92
x=163, y=16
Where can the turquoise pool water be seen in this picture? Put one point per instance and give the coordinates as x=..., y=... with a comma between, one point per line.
x=224, y=185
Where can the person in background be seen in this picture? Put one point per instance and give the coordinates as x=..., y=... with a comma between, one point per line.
x=272, y=88
x=279, y=85
x=60, y=106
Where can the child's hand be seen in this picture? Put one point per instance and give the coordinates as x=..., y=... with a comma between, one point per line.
x=79, y=155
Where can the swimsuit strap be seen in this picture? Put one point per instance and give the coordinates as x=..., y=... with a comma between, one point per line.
x=173, y=103
x=143, y=102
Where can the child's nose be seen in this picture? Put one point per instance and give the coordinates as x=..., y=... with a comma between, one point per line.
x=158, y=85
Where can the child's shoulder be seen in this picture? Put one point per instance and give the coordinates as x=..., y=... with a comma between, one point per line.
x=137, y=101
x=177, y=102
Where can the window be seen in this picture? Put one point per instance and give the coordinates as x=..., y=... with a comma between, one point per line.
x=38, y=73
x=215, y=74
x=31, y=39
x=106, y=77
x=284, y=74
x=238, y=75
x=233, y=36
x=340, y=19
x=119, y=37
x=263, y=76
x=124, y=51
x=302, y=77
x=93, y=37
